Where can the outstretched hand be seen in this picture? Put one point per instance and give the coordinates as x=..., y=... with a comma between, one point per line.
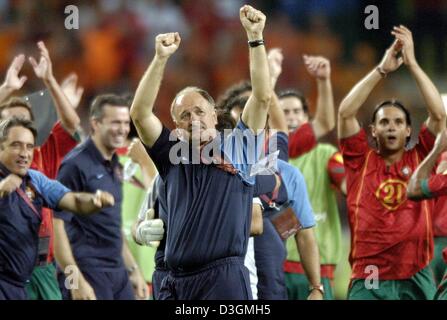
x=72, y=90
x=12, y=80
x=391, y=61
x=405, y=39
x=43, y=69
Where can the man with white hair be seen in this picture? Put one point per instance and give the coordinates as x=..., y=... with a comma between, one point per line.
x=209, y=208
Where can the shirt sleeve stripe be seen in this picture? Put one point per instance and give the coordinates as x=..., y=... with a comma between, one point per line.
x=426, y=189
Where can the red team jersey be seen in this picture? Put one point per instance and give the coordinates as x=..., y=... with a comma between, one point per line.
x=302, y=140
x=388, y=231
x=47, y=160
x=440, y=216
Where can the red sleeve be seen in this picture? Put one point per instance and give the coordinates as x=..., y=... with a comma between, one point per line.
x=336, y=169
x=354, y=150
x=425, y=143
x=302, y=140
x=54, y=149
x=437, y=185
x=444, y=254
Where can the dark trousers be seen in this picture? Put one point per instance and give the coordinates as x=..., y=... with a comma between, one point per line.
x=270, y=254
x=108, y=285
x=223, y=279
x=157, y=278
x=9, y=291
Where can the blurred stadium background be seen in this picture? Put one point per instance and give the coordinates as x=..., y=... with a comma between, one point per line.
x=114, y=45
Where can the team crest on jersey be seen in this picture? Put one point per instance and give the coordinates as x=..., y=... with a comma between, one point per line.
x=30, y=193
x=406, y=171
x=392, y=193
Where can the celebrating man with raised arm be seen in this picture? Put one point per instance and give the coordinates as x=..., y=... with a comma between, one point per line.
x=209, y=211
x=391, y=235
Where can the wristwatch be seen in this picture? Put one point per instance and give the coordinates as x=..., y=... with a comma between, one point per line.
x=318, y=287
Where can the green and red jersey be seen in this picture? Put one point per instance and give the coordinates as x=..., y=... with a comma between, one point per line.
x=387, y=230
x=322, y=168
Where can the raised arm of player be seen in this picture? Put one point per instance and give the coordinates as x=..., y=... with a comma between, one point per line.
x=437, y=117
x=277, y=118
x=348, y=124
x=44, y=70
x=320, y=69
x=148, y=125
x=13, y=81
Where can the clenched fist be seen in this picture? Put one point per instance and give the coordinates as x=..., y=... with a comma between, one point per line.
x=136, y=151
x=103, y=199
x=166, y=44
x=253, y=22
x=10, y=184
x=317, y=66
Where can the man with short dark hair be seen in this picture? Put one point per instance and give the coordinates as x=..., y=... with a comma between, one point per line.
x=322, y=168
x=93, y=248
x=23, y=194
x=391, y=236
x=46, y=159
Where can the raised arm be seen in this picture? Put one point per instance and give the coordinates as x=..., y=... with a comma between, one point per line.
x=255, y=111
x=347, y=122
x=277, y=118
x=320, y=69
x=418, y=181
x=148, y=125
x=12, y=81
x=44, y=70
x=436, y=113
